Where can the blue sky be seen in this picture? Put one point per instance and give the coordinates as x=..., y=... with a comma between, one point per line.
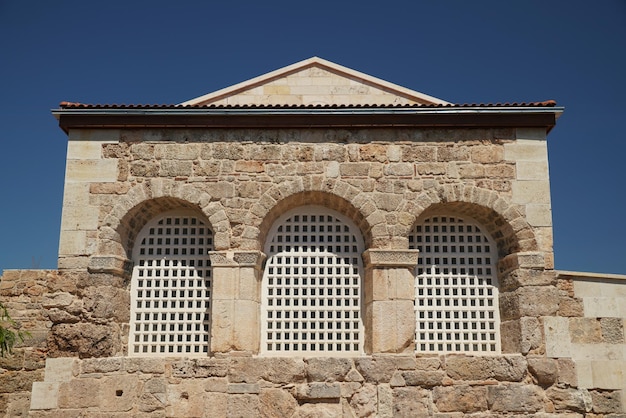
x=461, y=51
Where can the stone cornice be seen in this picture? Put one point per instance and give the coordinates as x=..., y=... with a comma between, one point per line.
x=236, y=258
x=390, y=258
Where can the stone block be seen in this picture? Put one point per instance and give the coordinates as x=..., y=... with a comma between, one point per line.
x=91, y=171
x=275, y=403
x=606, y=402
x=246, y=334
x=510, y=368
x=80, y=393
x=538, y=300
x=243, y=388
x=73, y=243
x=423, y=378
x=612, y=330
x=275, y=370
x=59, y=369
x=569, y=399
x=411, y=402
x=544, y=370
x=44, y=395
x=392, y=325
x=532, y=170
x=318, y=391
x=515, y=397
x=558, y=339
x=464, y=398
x=185, y=399
x=110, y=136
x=585, y=330
x=539, y=215
x=101, y=365
x=531, y=191
x=119, y=393
x=526, y=150
x=609, y=374
x=325, y=369
x=84, y=150
x=597, y=307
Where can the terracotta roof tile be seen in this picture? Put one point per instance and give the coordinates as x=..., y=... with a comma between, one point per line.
x=73, y=105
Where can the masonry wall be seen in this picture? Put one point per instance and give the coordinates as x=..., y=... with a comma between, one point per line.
x=240, y=182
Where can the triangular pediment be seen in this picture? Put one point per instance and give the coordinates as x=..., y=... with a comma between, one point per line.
x=314, y=81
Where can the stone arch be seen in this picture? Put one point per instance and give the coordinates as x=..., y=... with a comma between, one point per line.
x=333, y=194
x=144, y=201
x=503, y=220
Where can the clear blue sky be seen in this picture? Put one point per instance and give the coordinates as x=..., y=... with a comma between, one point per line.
x=461, y=51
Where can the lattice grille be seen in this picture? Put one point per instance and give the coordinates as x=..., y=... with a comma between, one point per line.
x=171, y=288
x=312, y=285
x=456, y=294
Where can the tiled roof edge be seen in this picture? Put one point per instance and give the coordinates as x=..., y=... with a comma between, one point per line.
x=74, y=105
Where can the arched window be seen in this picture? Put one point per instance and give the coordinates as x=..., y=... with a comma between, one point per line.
x=456, y=293
x=171, y=287
x=312, y=285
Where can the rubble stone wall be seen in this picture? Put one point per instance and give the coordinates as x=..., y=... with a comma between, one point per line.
x=23, y=292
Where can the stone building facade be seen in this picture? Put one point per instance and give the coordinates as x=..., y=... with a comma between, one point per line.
x=313, y=242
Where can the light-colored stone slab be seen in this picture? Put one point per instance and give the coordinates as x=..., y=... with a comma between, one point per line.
x=525, y=192
x=539, y=215
x=72, y=242
x=91, y=171
x=609, y=374
x=44, y=395
x=532, y=170
x=59, y=369
x=602, y=307
x=558, y=340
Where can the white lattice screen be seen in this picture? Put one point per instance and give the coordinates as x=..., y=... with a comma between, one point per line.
x=456, y=294
x=171, y=288
x=312, y=285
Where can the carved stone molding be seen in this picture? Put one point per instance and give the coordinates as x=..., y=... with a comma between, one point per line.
x=115, y=265
x=390, y=258
x=237, y=258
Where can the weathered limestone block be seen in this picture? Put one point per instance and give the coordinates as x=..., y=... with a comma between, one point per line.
x=363, y=402
x=18, y=381
x=464, y=398
x=80, y=393
x=515, y=397
x=242, y=406
x=578, y=400
x=101, y=365
x=585, y=330
x=274, y=370
x=315, y=391
x=567, y=372
x=119, y=393
x=544, y=370
x=86, y=340
x=503, y=368
x=144, y=365
x=612, y=330
x=185, y=399
x=104, y=302
x=411, y=402
x=200, y=367
x=379, y=369
x=276, y=403
x=319, y=410
x=424, y=378
x=243, y=388
x=606, y=402
x=323, y=369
